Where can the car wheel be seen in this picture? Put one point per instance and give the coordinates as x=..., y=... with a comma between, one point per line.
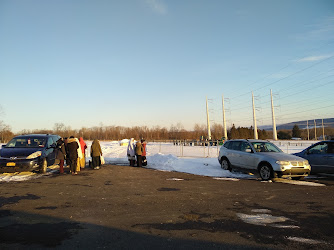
x=225, y=164
x=43, y=166
x=266, y=172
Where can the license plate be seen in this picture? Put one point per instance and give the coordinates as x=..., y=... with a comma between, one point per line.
x=10, y=164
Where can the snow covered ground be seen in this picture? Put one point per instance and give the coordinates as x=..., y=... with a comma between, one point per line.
x=196, y=160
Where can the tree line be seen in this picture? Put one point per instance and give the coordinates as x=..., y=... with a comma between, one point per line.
x=156, y=133
x=303, y=134
x=175, y=132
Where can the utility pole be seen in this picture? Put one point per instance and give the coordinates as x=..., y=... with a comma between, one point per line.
x=323, y=129
x=273, y=116
x=208, y=120
x=224, y=119
x=315, y=129
x=308, y=131
x=254, y=119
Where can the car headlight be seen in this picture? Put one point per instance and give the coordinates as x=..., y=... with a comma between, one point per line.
x=306, y=163
x=35, y=155
x=283, y=163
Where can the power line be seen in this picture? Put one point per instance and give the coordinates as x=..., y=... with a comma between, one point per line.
x=302, y=70
x=321, y=85
x=302, y=83
x=308, y=110
x=287, y=66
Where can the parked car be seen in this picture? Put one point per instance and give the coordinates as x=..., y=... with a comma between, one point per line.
x=320, y=156
x=262, y=157
x=28, y=152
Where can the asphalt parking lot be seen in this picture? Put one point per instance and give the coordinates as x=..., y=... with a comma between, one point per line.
x=120, y=207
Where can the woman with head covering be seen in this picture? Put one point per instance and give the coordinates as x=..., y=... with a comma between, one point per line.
x=72, y=154
x=95, y=153
x=61, y=154
x=143, y=156
x=83, y=149
x=131, y=152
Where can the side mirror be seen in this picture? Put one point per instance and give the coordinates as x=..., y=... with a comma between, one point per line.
x=248, y=150
x=3, y=146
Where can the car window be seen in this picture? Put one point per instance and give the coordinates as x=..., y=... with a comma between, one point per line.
x=265, y=147
x=236, y=145
x=245, y=146
x=227, y=144
x=50, y=142
x=55, y=138
x=320, y=148
x=26, y=142
x=330, y=148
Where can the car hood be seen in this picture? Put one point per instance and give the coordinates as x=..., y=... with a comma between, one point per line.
x=299, y=153
x=281, y=156
x=17, y=152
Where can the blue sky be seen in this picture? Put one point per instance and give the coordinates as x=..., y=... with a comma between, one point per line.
x=153, y=62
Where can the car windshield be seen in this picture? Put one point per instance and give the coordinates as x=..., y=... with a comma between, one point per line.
x=265, y=147
x=26, y=142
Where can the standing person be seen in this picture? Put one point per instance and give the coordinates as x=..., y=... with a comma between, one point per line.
x=131, y=152
x=79, y=155
x=66, y=158
x=83, y=149
x=72, y=154
x=143, y=142
x=95, y=153
x=139, y=152
x=61, y=154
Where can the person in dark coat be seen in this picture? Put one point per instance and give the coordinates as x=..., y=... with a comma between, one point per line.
x=139, y=152
x=67, y=162
x=72, y=154
x=61, y=154
x=96, y=153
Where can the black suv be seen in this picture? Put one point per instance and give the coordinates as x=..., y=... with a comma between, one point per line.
x=28, y=152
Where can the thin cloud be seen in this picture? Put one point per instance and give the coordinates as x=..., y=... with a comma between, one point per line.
x=313, y=58
x=157, y=6
x=322, y=30
x=325, y=27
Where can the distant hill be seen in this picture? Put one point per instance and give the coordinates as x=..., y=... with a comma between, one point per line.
x=328, y=122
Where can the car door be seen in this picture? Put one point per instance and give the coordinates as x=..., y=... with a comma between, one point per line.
x=50, y=152
x=247, y=158
x=329, y=158
x=234, y=153
x=319, y=158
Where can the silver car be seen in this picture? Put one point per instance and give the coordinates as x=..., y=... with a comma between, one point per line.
x=262, y=157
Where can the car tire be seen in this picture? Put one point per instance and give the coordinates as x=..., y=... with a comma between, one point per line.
x=266, y=172
x=43, y=166
x=225, y=164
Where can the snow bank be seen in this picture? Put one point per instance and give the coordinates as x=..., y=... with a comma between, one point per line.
x=164, y=157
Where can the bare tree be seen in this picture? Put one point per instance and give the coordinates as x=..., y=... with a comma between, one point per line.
x=5, y=130
x=59, y=128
